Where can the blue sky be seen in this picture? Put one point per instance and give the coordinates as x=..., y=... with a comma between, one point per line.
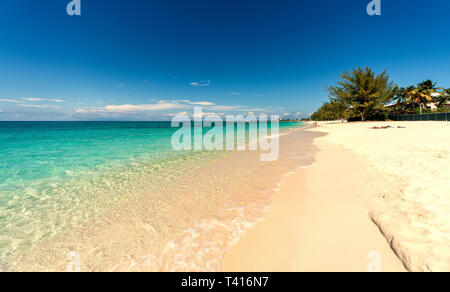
x=147, y=60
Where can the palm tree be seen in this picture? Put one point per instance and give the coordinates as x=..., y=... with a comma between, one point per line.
x=401, y=98
x=423, y=93
x=443, y=97
x=410, y=95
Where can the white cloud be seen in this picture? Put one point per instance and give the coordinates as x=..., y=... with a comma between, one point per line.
x=201, y=83
x=84, y=111
x=1, y=110
x=236, y=108
x=258, y=109
x=192, y=115
x=203, y=103
x=31, y=99
x=235, y=93
x=120, y=85
x=11, y=100
x=177, y=114
x=124, y=108
x=226, y=108
x=142, y=107
x=168, y=108
x=35, y=99
x=39, y=106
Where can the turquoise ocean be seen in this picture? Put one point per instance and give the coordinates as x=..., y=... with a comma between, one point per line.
x=56, y=175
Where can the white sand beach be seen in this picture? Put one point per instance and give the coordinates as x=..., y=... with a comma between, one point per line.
x=328, y=217
x=412, y=206
x=351, y=198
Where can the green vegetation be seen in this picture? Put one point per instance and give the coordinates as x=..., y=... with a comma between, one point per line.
x=361, y=95
x=331, y=111
x=443, y=98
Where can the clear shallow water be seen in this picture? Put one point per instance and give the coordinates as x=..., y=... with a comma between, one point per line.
x=56, y=175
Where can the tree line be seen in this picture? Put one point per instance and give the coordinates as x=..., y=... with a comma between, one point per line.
x=362, y=95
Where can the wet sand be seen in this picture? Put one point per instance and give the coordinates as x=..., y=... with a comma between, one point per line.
x=319, y=221
x=376, y=199
x=186, y=225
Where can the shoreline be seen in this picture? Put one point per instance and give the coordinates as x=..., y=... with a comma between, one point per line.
x=377, y=191
x=342, y=197
x=315, y=226
x=185, y=226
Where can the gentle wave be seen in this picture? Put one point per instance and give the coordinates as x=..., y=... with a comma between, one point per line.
x=56, y=176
